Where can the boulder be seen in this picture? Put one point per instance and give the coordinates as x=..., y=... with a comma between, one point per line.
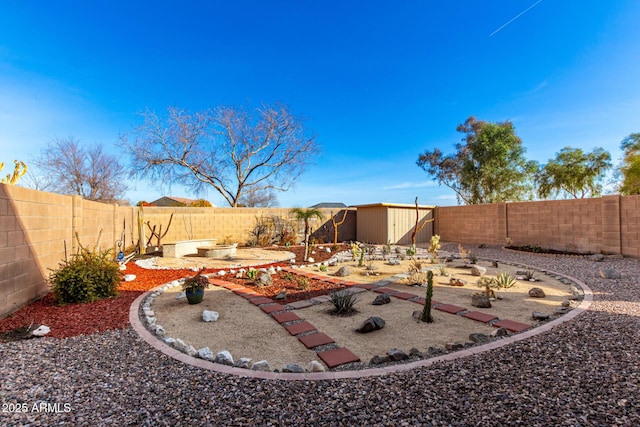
x=500, y=332
x=343, y=271
x=477, y=270
x=315, y=366
x=565, y=303
x=243, y=363
x=224, y=358
x=263, y=279
x=382, y=299
x=609, y=273
x=479, y=338
x=394, y=261
x=536, y=315
x=41, y=331
x=454, y=281
x=262, y=365
x=397, y=355
x=206, y=354
x=536, y=293
x=371, y=324
x=293, y=368
x=210, y=316
x=379, y=360
x=480, y=301
x=414, y=352
x=454, y=346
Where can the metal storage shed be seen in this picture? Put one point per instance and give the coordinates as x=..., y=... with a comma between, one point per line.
x=382, y=222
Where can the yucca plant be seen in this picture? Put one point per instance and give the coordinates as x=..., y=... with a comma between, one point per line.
x=343, y=301
x=505, y=280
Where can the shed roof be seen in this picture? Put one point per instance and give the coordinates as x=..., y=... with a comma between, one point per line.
x=394, y=205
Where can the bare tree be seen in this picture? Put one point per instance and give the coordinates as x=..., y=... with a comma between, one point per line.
x=259, y=198
x=234, y=151
x=88, y=172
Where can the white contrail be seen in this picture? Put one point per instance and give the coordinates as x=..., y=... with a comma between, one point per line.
x=516, y=17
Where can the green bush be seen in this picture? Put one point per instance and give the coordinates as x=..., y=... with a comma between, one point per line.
x=87, y=277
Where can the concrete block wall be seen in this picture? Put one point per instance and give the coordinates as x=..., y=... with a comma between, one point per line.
x=33, y=227
x=472, y=224
x=232, y=225
x=630, y=225
x=609, y=224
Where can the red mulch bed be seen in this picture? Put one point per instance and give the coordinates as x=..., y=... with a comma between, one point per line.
x=113, y=313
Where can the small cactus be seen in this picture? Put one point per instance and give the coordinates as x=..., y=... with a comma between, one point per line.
x=426, y=312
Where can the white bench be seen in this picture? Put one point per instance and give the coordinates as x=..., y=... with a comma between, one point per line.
x=185, y=247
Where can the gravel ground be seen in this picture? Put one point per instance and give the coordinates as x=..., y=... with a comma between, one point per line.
x=582, y=373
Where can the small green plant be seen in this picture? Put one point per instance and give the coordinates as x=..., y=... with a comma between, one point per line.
x=343, y=301
x=323, y=267
x=252, y=274
x=472, y=258
x=505, y=280
x=426, y=311
x=361, y=261
x=486, y=281
x=443, y=271
x=88, y=276
x=355, y=250
x=287, y=276
x=195, y=283
x=303, y=283
x=411, y=251
x=530, y=275
x=434, y=245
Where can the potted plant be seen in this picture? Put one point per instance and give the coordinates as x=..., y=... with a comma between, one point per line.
x=194, y=287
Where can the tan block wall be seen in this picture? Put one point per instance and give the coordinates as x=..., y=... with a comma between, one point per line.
x=472, y=224
x=33, y=227
x=630, y=225
x=609, y=224
x=234, y=225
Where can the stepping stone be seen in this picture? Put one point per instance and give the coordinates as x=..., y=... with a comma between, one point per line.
x=367, y=286
x=480, y=317
x=314, y=340
x=227, y=285
x=299, y=328
x=272, y=308
x=450, y=308
x=245, y=293
x=299, y=304
x=321, y=299
x=337, y=356
x=260, y=300
x=422, y=300
x=285, y=317
x=404, y=295
x=385, y=291
x=333, y=280
x=512, y=325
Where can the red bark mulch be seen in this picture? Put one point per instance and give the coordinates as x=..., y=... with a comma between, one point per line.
x=113, y=313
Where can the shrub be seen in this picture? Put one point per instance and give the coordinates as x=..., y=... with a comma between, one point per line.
x=303, y=282
x=252, y=274
x=343, y=301
x=195, y=283
x=505, y=280
x=287, y=276
x=88, y=276
x=323, y=267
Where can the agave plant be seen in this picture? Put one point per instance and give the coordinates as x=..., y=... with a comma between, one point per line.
x=505, y=280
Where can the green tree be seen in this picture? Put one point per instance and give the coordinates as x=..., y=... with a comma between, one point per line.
x=630, y=168
x=574, y=172
x=488, y=167
x=306, y=215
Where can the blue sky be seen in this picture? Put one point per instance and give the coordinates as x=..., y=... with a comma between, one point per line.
x=379, y=82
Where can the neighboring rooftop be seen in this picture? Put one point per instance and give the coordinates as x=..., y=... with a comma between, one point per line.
x=172, y=201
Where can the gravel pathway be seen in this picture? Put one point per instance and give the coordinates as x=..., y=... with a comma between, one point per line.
x=582, y=373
